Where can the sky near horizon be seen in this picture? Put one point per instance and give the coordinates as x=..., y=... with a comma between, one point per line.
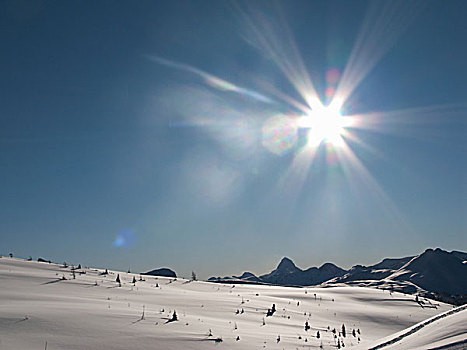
x=190, y=134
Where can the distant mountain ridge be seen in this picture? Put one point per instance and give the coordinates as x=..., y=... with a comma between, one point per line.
x=435, y=272
x=287, y=273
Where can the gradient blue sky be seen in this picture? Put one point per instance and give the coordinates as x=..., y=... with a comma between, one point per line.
x=154, y=133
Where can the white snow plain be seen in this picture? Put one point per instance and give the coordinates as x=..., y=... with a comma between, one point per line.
x=42, y=306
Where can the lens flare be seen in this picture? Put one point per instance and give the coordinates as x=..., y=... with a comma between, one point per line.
x=326, y=125
x=332, y=76
x=280, y=134
x=125, y=239
x=320, y=131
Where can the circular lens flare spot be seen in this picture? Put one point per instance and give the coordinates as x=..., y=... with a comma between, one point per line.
x=125, y=239
x=332, y=76
x=330, y=91
x=279, y=134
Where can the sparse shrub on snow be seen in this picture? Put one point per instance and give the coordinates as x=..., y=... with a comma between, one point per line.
x=174, y=317
x=271, y=311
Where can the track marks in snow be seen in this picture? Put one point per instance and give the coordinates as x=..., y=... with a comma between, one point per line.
x=418, y=327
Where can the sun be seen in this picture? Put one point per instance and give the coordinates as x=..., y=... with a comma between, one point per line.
x=326, y=124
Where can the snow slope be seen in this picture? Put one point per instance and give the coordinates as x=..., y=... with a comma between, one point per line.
x=39, y=306
x=434, y=271
x=444, y=331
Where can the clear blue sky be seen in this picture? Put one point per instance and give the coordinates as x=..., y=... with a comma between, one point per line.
x=157, y=133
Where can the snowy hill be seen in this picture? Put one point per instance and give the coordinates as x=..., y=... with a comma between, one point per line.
x=444, y=331
x=87, y=309
x=435, y=272
x=378, y=271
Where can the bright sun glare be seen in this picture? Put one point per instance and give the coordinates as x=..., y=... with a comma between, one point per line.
x=326, y=125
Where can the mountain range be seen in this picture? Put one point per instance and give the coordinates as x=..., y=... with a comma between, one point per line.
x=435, y=272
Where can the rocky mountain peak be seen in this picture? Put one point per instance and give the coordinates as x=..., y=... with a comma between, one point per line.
x=286, y=265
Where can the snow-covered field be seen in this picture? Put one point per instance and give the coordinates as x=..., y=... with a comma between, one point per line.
x=42, y=306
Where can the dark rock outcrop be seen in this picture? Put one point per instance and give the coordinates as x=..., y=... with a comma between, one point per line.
x=162, y=272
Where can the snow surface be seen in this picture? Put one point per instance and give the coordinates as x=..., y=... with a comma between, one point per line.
x=38, y=306
x=444, y=331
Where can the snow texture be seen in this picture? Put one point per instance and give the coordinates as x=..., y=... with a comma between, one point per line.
x=43, y=305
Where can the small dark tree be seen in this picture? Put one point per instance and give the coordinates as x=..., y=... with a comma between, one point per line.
x=174, y=317
x=354, y=333
x=271, y=311
x=343, y=330
x=193, y=276
x=307, y=326
x=134, y=280
x=11, y=255
x=318, y=335
x=118, y=280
